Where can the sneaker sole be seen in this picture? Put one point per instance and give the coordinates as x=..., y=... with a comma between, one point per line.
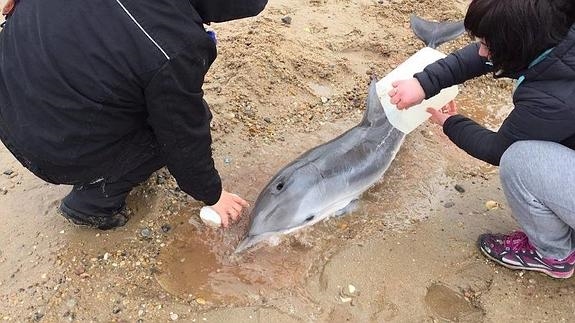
x=553, y=274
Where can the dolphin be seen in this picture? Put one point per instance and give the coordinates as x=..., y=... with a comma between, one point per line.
x=327, y=179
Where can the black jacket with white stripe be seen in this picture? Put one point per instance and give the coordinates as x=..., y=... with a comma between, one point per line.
x=90, y=89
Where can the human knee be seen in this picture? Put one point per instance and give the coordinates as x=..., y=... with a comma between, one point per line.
x=513, y=160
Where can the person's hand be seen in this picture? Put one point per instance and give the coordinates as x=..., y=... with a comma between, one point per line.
x=439, y=116
x=406, y=93
x=8, y=7
x=229, y=207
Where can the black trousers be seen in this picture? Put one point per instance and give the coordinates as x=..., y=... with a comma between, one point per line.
x=104, y=199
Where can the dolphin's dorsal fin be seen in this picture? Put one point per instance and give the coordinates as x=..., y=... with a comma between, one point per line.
x=434, y=33
x=374, y=110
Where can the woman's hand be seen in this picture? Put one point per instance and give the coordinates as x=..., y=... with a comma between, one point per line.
x=439, y=116
x=406, y=93
x=229, y=207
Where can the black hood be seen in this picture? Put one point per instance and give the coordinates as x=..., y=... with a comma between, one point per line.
x=225, y=10
x=559, y=64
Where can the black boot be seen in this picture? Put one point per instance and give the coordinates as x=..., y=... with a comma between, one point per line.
x=115, y=220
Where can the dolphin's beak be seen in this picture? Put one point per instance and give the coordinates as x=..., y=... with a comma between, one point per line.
x=247, y=243
x=251, y=241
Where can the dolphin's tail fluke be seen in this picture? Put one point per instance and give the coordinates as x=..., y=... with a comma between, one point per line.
x=434, y=33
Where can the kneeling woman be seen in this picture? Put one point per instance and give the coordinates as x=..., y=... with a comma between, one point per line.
x=533, y=42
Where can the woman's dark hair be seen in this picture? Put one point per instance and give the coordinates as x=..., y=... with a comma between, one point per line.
x=517, y=31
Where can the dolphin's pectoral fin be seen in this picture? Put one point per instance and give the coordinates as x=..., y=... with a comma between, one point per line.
x=352, y=206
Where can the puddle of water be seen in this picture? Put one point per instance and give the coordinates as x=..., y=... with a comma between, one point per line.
x=201, y=263
x=448, y=304
x=186, y=268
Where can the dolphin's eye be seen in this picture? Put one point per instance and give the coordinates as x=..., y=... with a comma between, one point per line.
x=280, y=186
x=309, y=218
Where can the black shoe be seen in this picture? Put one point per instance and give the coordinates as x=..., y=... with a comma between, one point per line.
x=116, y=220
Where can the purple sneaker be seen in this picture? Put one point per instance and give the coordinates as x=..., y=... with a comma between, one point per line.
x=514, y=251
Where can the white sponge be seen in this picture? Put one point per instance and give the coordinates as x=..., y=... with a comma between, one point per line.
x=210, y=217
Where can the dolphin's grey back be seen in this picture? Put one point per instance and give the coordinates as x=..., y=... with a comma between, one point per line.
x=363, y=152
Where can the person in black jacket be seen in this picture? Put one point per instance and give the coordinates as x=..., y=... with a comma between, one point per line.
x=100, y=94
x=533, y=42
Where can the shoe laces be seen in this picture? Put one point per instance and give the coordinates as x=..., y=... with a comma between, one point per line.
x=518, y=242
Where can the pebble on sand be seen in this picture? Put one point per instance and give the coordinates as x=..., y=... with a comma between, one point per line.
x=459, y=188
x=492, y=205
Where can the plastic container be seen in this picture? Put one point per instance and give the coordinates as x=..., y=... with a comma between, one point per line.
x=407, y=120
